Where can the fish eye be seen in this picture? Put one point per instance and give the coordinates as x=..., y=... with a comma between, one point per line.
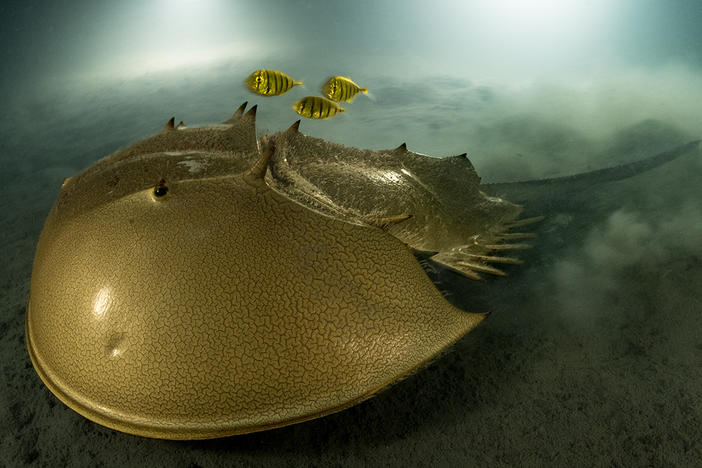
x=258, y=79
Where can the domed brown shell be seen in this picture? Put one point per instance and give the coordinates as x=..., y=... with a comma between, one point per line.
x=176, y=294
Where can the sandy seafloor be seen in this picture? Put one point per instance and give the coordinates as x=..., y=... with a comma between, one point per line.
x=592, y=355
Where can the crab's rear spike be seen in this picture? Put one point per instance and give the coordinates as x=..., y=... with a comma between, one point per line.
x=495, y=259
x=470, y=274
x=524, y=222
x=516, y=235
x=508, y=246
x=482, y=268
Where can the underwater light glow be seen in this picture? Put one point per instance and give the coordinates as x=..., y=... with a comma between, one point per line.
x=538, y=16
x=518, y=40
x=173, y=58
x=166, y=35
x=541, y=25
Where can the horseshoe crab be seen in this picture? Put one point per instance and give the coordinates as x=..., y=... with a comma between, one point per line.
x=203, y=282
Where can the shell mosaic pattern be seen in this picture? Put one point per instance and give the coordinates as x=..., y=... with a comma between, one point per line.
x=203, y=282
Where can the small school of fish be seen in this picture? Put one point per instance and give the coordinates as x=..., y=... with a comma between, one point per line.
x=336, y=89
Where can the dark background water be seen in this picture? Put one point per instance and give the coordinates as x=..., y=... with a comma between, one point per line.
x=593, y=351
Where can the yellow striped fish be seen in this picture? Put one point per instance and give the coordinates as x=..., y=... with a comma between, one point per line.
x=342, y=89
x=270, y=82
x=314, y=107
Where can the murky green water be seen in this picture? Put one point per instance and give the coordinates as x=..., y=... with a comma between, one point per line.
x=592, y=351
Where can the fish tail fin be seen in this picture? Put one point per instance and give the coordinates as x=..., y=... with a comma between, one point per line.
x=364, y=90
x=341, y=109
x=298, y=83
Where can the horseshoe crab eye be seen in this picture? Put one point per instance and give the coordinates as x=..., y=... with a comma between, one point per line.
x=161, y=189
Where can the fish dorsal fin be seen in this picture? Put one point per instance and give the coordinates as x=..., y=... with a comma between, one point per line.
x=402, y=147
x=180, y=125
x=237, y=114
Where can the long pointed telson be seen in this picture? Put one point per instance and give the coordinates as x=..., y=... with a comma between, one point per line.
x=539, y=192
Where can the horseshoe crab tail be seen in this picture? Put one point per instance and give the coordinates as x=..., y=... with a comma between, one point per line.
x=529, y=190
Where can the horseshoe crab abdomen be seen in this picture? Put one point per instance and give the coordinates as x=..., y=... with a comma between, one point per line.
x=448, y=212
